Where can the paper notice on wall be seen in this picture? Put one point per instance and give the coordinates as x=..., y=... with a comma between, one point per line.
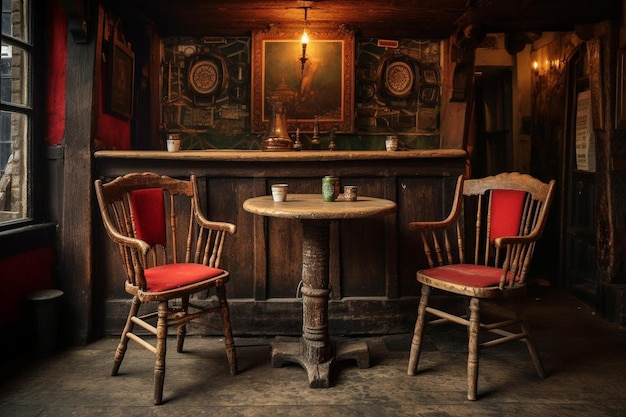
x=585, y=138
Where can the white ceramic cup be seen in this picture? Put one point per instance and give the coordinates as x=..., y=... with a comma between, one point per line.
x=173, y=145
x=391, y=143
x=279, y=192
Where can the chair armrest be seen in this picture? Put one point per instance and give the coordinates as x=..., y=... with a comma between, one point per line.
x=452, y=216
x=442, y=224
x=515, y=240
x=135, y=243
x=203, y=221
x=208, y=224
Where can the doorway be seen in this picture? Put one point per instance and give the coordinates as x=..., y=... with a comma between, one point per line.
x=492, y=151
x=579, y=260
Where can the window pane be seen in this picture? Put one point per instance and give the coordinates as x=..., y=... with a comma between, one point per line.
x=14, y=201
x=15, y=70
x=15, y=21
x=16, y=111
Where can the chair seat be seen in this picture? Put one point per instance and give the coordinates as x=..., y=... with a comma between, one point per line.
x=465, y=274
x=167, y=277
x=468, y=279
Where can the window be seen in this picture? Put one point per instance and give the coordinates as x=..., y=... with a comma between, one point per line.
x=16, y=113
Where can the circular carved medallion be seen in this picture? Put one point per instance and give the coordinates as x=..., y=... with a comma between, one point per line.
x=399, y=78
x=204, y=77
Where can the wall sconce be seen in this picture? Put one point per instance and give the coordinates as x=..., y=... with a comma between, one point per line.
x=536, y=68
x=305, y=42
x=540, y=69
x=549, y=66
x=305, y=39
x=556, y=64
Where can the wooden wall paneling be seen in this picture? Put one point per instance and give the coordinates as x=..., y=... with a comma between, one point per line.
x=284, y=256
x=224, y=199
x=363, y=246
x=363, y=257
x=391, y=241
x=256, y=245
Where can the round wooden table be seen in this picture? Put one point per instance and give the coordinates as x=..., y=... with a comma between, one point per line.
x=314, y=351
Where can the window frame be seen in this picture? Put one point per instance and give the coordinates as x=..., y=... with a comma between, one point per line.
x=34, y=110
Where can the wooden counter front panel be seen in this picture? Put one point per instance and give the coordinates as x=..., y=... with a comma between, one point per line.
x=372, y=263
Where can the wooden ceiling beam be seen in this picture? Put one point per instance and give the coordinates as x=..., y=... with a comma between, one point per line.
x=369, y=18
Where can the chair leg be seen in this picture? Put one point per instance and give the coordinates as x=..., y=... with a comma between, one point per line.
x=161, y=348
x=472, y=356
x=530, y=343
x=416, y=341
x=231, y=353
x=128, y=327
x=182, y=329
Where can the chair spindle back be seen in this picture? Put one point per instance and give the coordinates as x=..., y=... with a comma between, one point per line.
x=495, y=221
x=154, y=220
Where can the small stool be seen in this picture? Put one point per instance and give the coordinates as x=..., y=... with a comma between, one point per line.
x=44, y=315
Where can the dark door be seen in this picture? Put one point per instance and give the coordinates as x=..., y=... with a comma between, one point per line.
x=492, y=151
x=579, y=260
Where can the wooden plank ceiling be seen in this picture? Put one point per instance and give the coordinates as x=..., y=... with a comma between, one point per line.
x=369, y=18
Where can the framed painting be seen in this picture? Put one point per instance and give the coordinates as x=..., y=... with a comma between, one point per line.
x=322, y=87
x=121, y=80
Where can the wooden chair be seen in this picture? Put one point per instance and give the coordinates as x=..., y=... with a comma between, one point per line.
x=141, y=215
x=504, y=216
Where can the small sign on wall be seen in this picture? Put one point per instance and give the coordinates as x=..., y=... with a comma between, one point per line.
x=585, y=137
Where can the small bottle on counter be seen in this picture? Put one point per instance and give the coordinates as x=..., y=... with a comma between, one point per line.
x=315, y=142
x=331, y=143
x=297, y=145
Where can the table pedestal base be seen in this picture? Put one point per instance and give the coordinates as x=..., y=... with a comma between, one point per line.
x=319, y=373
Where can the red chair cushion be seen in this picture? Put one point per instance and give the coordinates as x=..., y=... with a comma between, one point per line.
x=170, y=276
x=148, y=211
x=506, y=212
x=466, y=274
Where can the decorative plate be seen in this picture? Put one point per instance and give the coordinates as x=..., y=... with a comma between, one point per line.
x=204, y=77
x=399, y=79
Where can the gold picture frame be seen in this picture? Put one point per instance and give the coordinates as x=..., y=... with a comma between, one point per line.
x=323, y=87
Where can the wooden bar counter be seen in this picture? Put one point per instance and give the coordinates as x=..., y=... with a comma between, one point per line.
x=372, y=260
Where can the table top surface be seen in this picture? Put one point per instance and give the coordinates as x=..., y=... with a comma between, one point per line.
x=312, y=206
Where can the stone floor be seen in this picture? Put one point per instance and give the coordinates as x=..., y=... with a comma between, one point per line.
x=585, y=358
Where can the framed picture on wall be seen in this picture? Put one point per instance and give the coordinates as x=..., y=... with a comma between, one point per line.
x=121, y=80
x=323, y=86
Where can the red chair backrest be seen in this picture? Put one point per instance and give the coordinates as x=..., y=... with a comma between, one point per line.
x=506, y=213
x=148, y=214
